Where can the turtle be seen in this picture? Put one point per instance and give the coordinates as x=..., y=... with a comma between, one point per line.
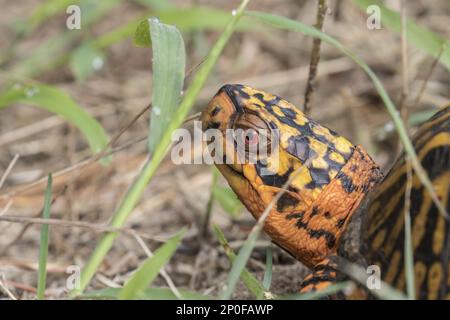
x=335, y=203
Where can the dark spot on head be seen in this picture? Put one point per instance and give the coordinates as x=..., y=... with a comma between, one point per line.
x=213, y=125
x=301, y=225
x=288, y=112
x=259, y=96
x=314, y=212
x=340, y=222
x=286, y=200
x=333, y=165
x=319, y=176
x=310, y=185
x=274, y=180
x=328, y=215
x=298, y=146
x=215, y=111
x=272, y=125
x=330, y=238
x=346, y=182
x=365, y=187
x=333, y=133
x=298, y=215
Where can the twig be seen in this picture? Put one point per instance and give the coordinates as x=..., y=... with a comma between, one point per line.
x=315, y=57
x=404, y=46
x=83, y=163
x=106, y=281
x=21, y=286
x=25, y=228
x=162, y=271
x=8, y=205
x=4, y=286
x=8, y=170
x=79, y=165
x=76, y=224
x=428, y=76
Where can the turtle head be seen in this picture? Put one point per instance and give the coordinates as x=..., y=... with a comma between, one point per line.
x=268, y=145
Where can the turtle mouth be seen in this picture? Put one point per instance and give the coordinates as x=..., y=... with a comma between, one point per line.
x=240, y=185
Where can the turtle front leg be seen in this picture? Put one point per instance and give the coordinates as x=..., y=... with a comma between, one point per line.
x=324, y=275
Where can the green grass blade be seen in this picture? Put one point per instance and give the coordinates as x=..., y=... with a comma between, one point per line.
x=45, y=11
x=409, y=251
x=169, y=60
x=146, y=294
x=385, y=291
x=137, y=188
x=239, y=264
x=227, y=200
x=190, y=19
x=267, y=280
x=85, y=61
x=422, y=38
x=288, y=24
x=252, y=284
x=151, y=267
x=56, y=101
x=43, y=244
x=409, y=259
x=187, y=19
x=52, y=52
x=155, y=4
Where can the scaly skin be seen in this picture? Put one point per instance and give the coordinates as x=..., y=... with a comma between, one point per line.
x=329, y=177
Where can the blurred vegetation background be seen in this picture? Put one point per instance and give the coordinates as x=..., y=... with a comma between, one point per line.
x=65, y=93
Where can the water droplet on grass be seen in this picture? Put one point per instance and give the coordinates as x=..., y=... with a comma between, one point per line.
x=97, y=63
x=29, y=92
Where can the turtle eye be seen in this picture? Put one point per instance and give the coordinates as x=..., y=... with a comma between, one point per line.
x=250, y=137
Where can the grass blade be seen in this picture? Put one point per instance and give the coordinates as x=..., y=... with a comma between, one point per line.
x=85, y=61
x=409, y=251
x=148, y=271
x=186, y=19
x=288, y=24
x=137, y=188
x=52, y=52
x=267, y=280
x=249, y=280
x=424, y=39
x=249, y=244
x=385, y=292
x=169, y=60
x=190, y=19
x=56, y=101
x=227, y=200
x=45, y=11
x=146, y=294
x=43, y=244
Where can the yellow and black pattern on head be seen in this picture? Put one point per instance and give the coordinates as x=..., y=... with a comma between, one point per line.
x=383, y=231
x=300, y=138
x=330, y=175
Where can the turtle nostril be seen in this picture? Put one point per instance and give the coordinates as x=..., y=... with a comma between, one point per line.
x=215, y=111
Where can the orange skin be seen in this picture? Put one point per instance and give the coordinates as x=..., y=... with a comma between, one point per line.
x=307, y=221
